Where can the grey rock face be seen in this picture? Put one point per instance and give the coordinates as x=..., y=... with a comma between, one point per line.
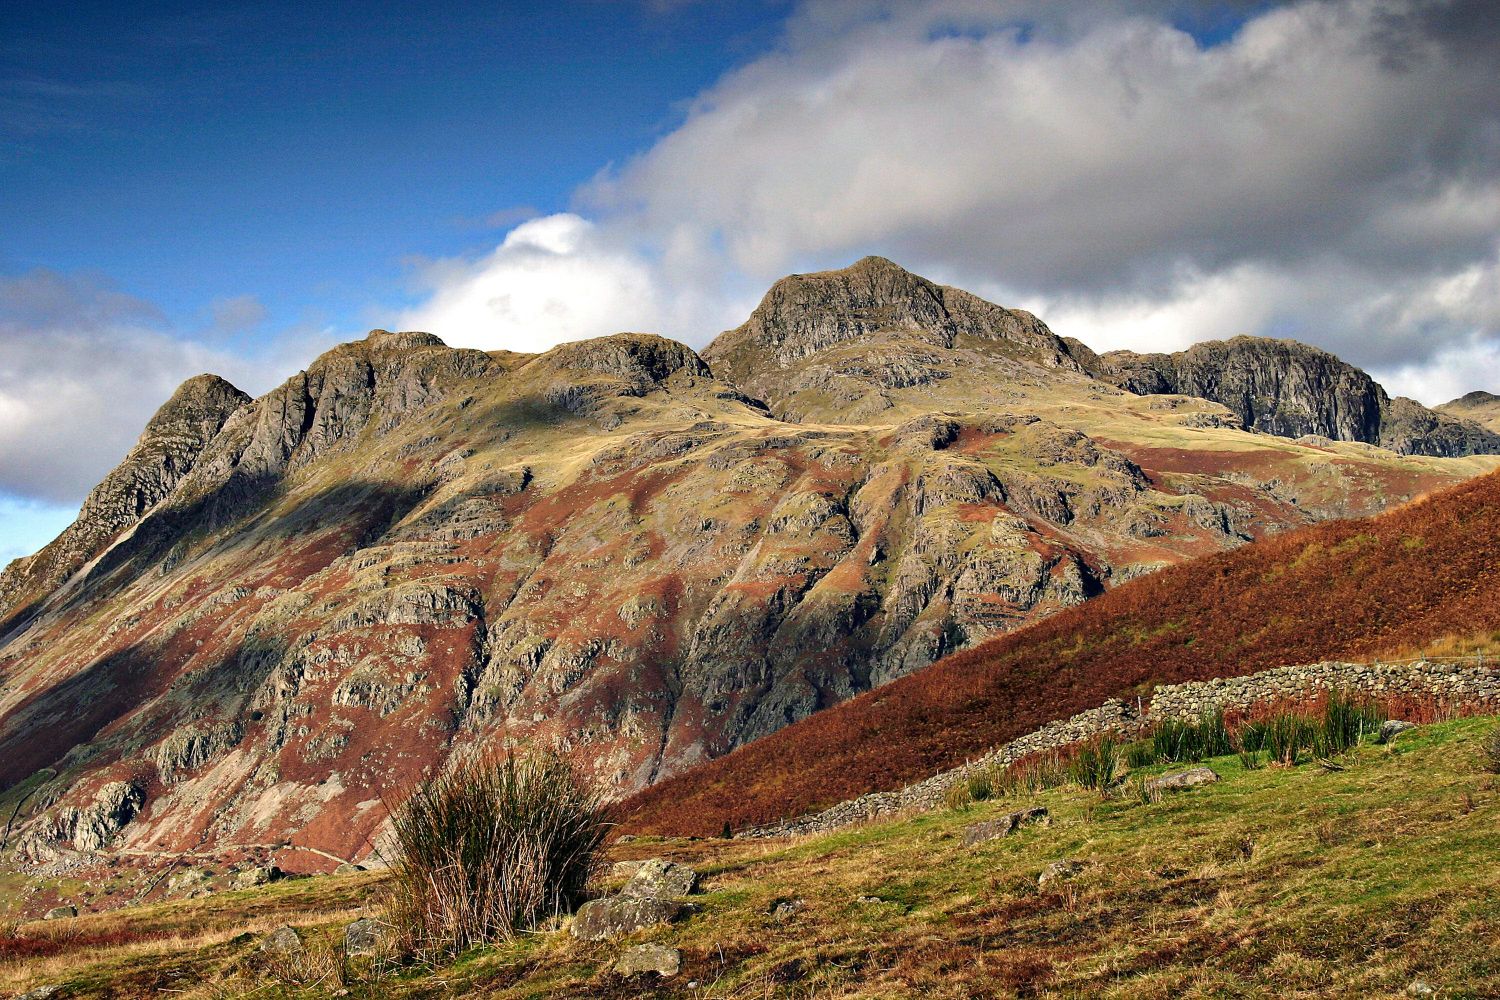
x=283, y=940
x=367, y=936
x=994, y=829
x=648, y=958
x=659, y=879
x=1292, y=390
x=92, y=827
x=1176, y=781
x=616, y=916
x=60, y=913
x=251, y=877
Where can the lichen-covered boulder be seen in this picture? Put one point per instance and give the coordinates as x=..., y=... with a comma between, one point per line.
x=61, y=913
x=616, y=916
x=993, y=829
x=367, y=936
x=1176, y=781
x=648, y=958
x=660, y=879
x=284, y=940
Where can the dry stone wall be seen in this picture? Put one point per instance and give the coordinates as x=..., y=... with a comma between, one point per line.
x=1470, y=684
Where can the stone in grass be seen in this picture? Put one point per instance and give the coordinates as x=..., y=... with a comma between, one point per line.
x=993, y=829
x=348, y=868
x=624, y=869
x=1059, y=870
x=250, y=877
x=284, y=940
x=367, y=936
x=1178, y=780
x=1391, y=728
x=648, y=958
x=616, y=916
x=42, y=993
x=60, y=913
x=783, y=910
x=660, y=879
x=1420, y=989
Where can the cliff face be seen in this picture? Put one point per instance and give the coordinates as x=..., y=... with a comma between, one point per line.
x=277, y=611
x=1290, y=389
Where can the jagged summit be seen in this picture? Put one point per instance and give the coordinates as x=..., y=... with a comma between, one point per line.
x=834, y=344
x=1292, y=389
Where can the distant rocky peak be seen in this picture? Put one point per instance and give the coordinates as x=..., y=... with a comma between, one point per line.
x=385, y=340
x=640, y=358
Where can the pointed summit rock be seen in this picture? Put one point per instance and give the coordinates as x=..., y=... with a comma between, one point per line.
x=167, y=450
x=864, y=330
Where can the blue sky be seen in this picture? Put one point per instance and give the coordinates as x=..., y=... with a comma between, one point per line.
x=236, y=187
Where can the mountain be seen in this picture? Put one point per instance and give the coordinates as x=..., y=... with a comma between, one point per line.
x=1349, y=589
x=1283, y=387
x=278, y=611
x=1482, y=408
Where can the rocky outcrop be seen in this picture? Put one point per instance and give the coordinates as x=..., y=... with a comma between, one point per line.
x=1289, y=389
x=902, y=326
x=167, y=451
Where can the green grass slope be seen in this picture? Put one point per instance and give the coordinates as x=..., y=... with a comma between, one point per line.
x=1276, y=882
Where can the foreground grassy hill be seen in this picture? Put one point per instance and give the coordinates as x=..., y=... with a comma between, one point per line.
x=1275, y=882
x=1350, y=589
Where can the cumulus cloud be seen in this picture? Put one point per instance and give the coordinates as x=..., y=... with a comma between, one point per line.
x=83, y=366
x=1331, y=169
x=556, y=279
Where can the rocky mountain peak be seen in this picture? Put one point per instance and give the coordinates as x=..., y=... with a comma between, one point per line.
x=169, y=447
x=864, y=325
x=385, y=340
x=1292, y=389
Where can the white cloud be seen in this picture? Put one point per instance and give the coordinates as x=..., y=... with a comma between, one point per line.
x=555, y=279
x=82, y=368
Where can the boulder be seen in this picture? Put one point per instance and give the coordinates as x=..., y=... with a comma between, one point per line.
x=61, y=913
x=993, y=829
x=367, y=936
x=1059, y=870
x=348, y=868
x=284, y=940
x=261, y=875
x=1178, y=780
x=41, y=993
x=1391, y=728
x=660, y=879
x=647, y=958
x=616, y=916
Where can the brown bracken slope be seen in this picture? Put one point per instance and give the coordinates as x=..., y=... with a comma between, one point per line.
x=1342, y=589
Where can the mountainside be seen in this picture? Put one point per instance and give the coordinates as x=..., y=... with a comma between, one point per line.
x=279, y=610
x=1347, y=589
x=1480, y=407
x=1283, y=387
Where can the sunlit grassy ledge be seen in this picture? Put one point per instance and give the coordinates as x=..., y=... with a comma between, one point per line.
x=1274, y=882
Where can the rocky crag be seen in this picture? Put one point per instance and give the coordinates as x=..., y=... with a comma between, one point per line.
x=279, y=612
x=1286, y=388
x=1479, y=406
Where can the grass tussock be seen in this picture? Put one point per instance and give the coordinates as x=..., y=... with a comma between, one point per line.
x=1097, y=764
x=491, y=850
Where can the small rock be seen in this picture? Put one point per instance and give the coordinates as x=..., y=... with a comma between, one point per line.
x=644, y=958
x=1420, y=989
x=659, y=879
x=993, y=829
x=1391, y=728
x=41, y=993
x=1178, y=780
x=869, y=900
x=348, y=868
x=367, y=936
x=616, y=916
x=61, y=913
x=283, y=940
x=785, y=909
x=1064, y=869
x=250, y=877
